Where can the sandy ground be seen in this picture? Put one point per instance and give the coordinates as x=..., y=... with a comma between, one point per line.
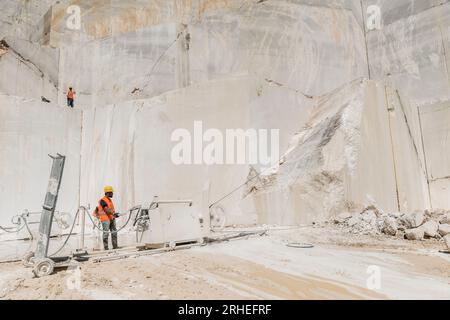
x=338, y=267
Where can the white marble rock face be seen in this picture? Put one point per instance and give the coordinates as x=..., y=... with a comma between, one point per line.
x=142, y=69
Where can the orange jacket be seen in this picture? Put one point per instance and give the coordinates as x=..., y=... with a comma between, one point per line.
x=70, y=94
x=102, y=214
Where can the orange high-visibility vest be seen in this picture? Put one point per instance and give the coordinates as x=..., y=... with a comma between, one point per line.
x=70, y=94
x=101, y=214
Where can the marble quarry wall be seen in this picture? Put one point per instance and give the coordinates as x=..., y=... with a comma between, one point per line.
x=140, y=49
x=28, y=70
x=29, y=131
x=337, y=165
x=435, y=128
x=129, y=145
x=411, y=51
x=142, y=69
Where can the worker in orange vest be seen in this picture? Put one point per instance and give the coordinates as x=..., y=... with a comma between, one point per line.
x=70, y=97
x=107, y=215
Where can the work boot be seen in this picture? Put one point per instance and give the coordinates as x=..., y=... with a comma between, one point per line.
x=114, y=241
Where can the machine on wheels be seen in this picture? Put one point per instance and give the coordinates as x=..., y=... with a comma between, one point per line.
x=165, y=225
x=168, y=223
x=40, y=260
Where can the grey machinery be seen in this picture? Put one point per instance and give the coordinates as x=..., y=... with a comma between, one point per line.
x=42, y=263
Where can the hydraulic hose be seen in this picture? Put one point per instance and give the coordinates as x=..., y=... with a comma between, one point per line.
x=9, y=231
x=121, y=228
x=19, y=218
x=94, y=224
x=28, y=227
x=69, y=235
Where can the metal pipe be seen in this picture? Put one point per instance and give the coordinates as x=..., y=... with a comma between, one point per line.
x=174, y=201
x=141, y=253
x=83, y=227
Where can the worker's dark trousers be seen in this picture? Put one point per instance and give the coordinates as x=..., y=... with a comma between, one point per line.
x=109, y=226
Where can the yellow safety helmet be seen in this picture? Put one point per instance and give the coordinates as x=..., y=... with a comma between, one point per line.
x=108, y=189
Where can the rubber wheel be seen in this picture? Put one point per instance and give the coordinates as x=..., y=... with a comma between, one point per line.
x=28, y=259
x=43, y=268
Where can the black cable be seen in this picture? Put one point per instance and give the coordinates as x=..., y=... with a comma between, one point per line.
x=8, y=231
x=28, y=227
x=75, y=219
x=243, y=185
x=69, y=235
x=21, y=226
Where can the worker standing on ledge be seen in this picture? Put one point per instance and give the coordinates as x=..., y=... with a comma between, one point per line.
x=106, y=212
x=70, y=97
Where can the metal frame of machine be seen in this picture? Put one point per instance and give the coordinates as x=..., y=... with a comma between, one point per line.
x=39, y=260
x=161, y=224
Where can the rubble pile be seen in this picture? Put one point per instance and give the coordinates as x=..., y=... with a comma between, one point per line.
x=418, y=225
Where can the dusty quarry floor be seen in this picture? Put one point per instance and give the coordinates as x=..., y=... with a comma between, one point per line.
x=340, y=266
